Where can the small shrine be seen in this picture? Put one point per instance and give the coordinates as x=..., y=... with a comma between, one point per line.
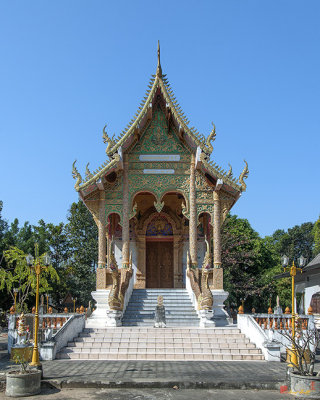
x=159, y=201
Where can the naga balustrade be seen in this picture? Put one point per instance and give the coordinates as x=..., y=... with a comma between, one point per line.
x=279, y=322
x=48, y=322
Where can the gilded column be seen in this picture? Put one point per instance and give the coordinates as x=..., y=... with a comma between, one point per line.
x=193, y=215
x=101, y=235
x=101, y=224
x=125, y=215
x=216, y=230
x=217, y=272
x=176, y=247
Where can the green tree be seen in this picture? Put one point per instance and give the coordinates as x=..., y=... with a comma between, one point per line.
x=3, y=231
x=297, y=241
x=58, y=244
x=82, y=237
x=19, y=275
x=316, y=237
x=244, y=258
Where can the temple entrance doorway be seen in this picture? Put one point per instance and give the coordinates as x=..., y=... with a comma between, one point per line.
x=159, y=264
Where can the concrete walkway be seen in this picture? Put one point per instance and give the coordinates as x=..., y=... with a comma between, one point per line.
x=160, y=374
x=157, y=394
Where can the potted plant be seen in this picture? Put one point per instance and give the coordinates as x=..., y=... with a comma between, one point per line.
x=301, y=345
x=24, y=382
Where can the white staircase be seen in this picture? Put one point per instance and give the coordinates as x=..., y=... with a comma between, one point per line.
x=142, y=304
x=142, y=343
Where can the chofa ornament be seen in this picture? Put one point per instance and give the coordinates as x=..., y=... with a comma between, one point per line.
x=244, y=175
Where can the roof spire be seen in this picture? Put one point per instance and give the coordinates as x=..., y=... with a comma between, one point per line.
x=159, y=69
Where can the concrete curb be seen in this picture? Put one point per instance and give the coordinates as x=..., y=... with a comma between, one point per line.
x=160, y=384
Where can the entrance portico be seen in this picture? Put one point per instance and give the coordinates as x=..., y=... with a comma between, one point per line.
x=159, y=202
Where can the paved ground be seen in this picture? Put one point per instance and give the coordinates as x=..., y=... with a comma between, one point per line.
x=158, y=394
x=160, y=374
x=194, y=374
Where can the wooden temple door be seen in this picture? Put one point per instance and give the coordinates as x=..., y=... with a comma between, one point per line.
x=159, y=264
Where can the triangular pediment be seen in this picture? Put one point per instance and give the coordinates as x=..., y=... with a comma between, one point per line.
x=159, y=136
x=159, y=127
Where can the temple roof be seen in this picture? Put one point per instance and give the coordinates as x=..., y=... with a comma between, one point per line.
x=195, y=140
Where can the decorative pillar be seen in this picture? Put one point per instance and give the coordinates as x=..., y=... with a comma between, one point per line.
x=141, y=267
x=125, y=216
x=101, y=281
x=101, y=235
x=176, y=280
x=216, y=230
x=217, y=273
x=193, y=215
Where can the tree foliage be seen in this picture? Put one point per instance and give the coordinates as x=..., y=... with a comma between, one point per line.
x=82, y=237
x=316, y=237
x=18, y=275
x=244, y=257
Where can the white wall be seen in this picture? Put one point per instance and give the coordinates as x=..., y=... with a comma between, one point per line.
x=312, y=287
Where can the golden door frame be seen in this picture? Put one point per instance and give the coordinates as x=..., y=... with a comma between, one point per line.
x=141, y=238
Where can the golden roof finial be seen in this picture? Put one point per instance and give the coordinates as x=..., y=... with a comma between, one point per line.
x=159, y=69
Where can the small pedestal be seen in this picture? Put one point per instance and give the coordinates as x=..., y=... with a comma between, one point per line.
x=221, y=317
x=114, y=318
x=98, y=318
x=206, y=319
x=160, y=317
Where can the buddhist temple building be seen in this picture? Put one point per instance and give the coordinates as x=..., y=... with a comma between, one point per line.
x=159, y=202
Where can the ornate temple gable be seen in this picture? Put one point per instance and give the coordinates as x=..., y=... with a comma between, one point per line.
x=172, y=122
x=159, y=162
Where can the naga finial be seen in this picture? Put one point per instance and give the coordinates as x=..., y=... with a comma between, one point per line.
x=130, y=261
x=106, y=139
x=244, y=175
x=105, y=136
x=230, y=173
x=113, y=262
x=207, y=258
x=88, y=173
x=188, y=260
x=211, y=138
x=76, y=175
x=159, y=69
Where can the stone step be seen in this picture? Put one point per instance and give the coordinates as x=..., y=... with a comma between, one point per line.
x=172, y=306
x=148, y=324
x=163, y=290
x=192, y=331
x=161, y=334
x=170, y=322
x=142, y=345
x=146, y=343
x=163, y=350
x=168, y=305
x=168, y=312
x=154, y=299
x=99, y=342
x=162, y=356
x=140, y=310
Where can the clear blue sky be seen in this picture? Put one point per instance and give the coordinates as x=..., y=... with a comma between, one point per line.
x=252, y=67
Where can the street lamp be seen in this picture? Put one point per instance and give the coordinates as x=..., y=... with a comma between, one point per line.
x=38, y=263
x=15, y=292
x=74, y=304
x=293, y=272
